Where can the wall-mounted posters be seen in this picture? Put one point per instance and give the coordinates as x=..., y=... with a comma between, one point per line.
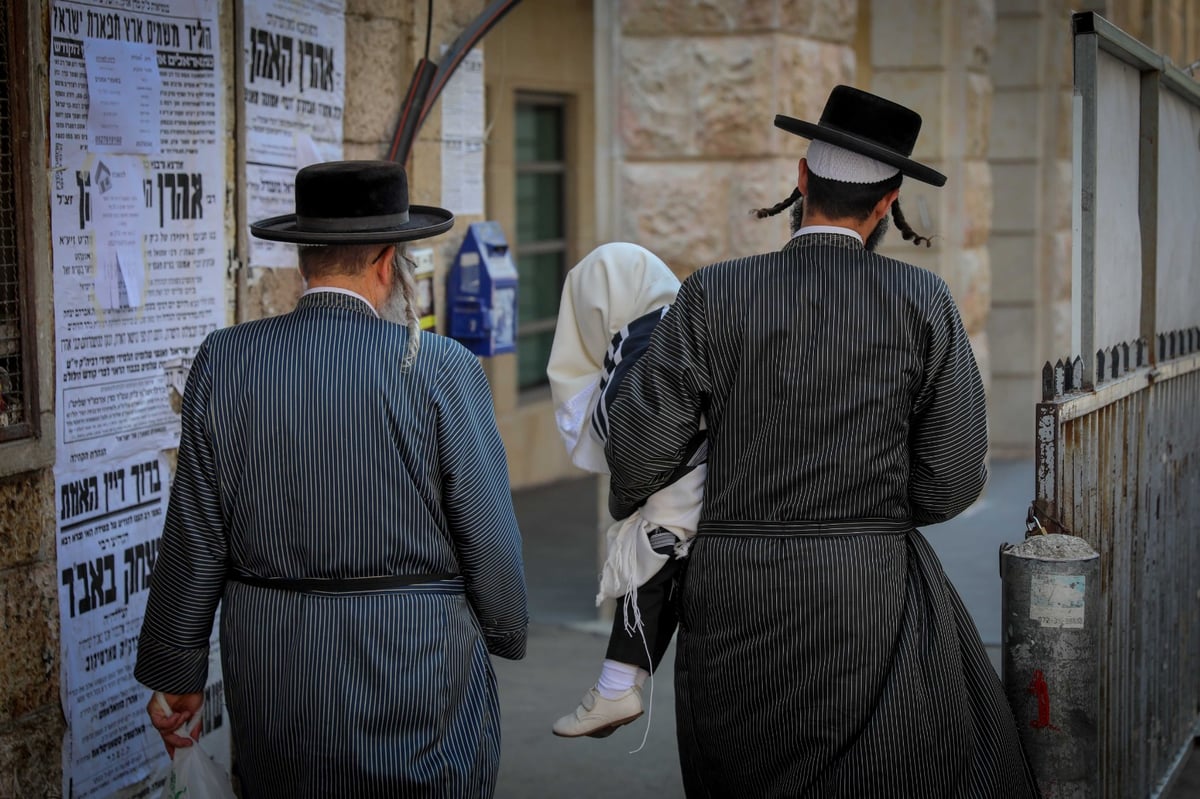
x=137, y=226
x=110, y=521
x=138, y=198
x=295, y=54
x=463, y=137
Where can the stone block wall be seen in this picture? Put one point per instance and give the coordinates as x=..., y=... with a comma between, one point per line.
x=31, y=719
x=699, y=82
x=698, y=85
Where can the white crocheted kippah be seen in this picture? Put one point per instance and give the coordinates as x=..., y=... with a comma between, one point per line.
x=837, y=163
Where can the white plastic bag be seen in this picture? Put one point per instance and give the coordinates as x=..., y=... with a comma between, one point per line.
x=194, y=775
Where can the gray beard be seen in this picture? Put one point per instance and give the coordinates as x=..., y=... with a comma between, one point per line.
x=394, y=309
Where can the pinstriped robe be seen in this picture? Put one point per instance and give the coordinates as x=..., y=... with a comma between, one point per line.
x=822, y=651
x=307, y=452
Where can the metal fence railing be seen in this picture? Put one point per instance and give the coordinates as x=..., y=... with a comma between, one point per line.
x=1118, y=430
x=1119, y=466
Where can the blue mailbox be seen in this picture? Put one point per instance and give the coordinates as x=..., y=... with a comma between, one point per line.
x=482, y=295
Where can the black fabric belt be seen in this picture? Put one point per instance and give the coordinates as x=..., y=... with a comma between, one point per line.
x=803, y=527
x=346, y=585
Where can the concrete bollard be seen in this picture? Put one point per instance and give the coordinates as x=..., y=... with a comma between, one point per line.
x=1051, y=639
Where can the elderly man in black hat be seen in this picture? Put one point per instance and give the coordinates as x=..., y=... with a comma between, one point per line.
x=342, y=492
x=822, y=651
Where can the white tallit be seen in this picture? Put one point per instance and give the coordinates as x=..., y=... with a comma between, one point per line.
x=615, y=284
x=631, y=561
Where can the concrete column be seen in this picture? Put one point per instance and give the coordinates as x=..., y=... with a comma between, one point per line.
x=1014, y=152
x=933, y=55
x=1054, y=279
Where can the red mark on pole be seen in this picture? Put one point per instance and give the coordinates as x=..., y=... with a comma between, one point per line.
x=1039, y=688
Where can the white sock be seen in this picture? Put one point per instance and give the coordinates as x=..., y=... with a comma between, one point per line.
x=616, y=678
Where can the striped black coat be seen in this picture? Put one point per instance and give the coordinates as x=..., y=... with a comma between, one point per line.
x=308, y=452
x=821, y=650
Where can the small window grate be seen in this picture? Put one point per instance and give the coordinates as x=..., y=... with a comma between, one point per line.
x=13, y=395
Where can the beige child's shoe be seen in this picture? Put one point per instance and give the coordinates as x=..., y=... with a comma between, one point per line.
x=599, y=717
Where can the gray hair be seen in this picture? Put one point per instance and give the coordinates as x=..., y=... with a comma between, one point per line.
x=326, y=260
x=402, y=273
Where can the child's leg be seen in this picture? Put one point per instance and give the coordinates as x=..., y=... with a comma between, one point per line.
x=616, y=678
x=614, y=700
x=658, y=604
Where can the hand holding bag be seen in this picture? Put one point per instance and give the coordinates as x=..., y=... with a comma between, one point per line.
x=194, y=775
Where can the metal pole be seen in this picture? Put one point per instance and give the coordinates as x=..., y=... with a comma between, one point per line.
x=1051, y=613
x=1083, y=211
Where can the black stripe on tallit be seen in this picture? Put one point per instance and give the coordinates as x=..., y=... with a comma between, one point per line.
x=627, y=345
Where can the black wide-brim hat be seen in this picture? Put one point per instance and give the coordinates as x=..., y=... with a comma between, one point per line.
x=354, y=202
x=868, y=125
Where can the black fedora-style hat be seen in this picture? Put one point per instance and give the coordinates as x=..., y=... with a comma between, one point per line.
x=869, y=125
x=354, y=202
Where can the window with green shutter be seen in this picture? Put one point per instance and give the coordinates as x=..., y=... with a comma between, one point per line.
x=541, y=234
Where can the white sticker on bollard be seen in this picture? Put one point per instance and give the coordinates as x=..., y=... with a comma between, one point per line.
x=1056, y=600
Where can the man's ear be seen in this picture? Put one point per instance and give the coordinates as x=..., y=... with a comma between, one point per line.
x=885, y=204
x=802, y=178
x=382, y=265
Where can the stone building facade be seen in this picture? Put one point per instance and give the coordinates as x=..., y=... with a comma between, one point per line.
x=667, y=141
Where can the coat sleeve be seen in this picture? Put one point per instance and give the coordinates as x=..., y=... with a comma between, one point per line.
x=189, y=574
x=657, y=409
x=478, y=505
x=948, y=442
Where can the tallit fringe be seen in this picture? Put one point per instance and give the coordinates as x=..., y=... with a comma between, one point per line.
x=630, y=607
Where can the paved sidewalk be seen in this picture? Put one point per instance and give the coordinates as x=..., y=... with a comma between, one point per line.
x=566, y=644
x=561, y=664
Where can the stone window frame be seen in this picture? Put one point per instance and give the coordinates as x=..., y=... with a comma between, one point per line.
x=30, y=445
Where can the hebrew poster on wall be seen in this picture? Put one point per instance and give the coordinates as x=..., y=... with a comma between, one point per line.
x=463, y=137
x=295, y=55
x=137, y=224
x=110, y=522
x=137, y=195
